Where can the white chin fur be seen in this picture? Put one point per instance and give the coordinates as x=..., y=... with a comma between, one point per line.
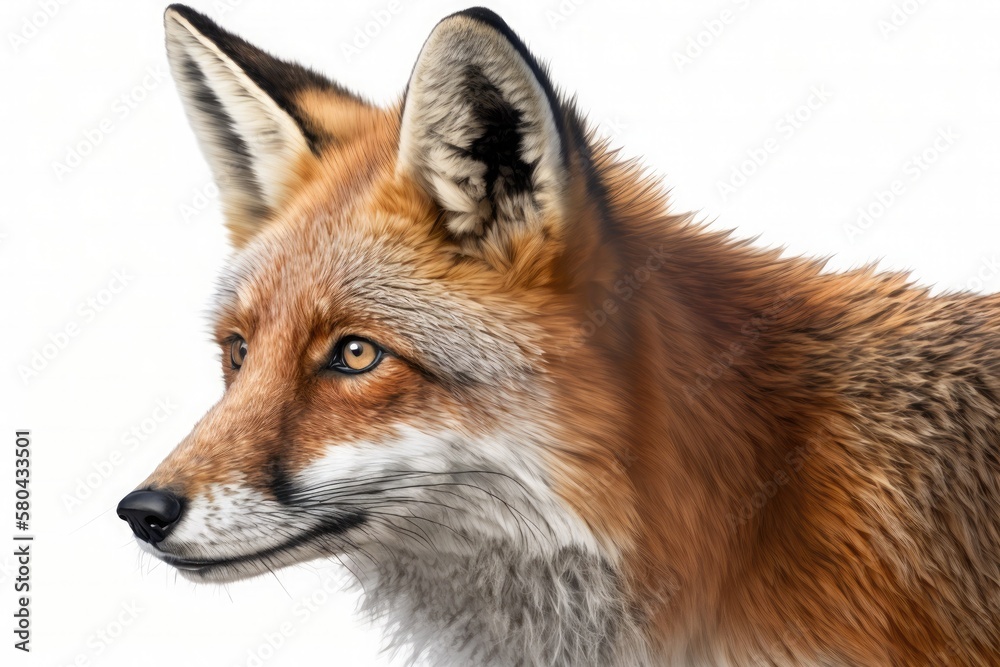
x=418, y=492
x=492, y=489
x=466, y=554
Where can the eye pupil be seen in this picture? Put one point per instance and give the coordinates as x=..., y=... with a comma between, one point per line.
x=237, y=352
x=357, y=355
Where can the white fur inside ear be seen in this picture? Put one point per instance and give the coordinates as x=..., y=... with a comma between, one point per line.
x=441, y=124
x=271, y=138
x=469, y=213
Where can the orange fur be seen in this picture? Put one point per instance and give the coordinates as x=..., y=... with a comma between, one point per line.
x=718, y=423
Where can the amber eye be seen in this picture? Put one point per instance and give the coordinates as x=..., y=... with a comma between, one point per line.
x=356, y=355
x=237, y=352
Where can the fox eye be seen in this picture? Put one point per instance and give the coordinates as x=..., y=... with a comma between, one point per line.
x=237, y=352
x=355, y=355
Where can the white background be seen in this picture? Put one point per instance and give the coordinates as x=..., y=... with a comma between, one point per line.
x=895, y=73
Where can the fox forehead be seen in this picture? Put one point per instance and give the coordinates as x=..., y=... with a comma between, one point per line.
x=381, y=274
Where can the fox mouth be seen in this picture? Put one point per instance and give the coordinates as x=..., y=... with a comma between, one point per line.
x=268, y=557
x=192, y=565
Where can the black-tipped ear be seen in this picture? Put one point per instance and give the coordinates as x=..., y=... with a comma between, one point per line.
x=482, y=129
x=246, y=108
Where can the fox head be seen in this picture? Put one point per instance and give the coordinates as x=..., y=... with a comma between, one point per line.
x=400, y=324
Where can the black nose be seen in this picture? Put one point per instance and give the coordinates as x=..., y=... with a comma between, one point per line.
x=150, y=514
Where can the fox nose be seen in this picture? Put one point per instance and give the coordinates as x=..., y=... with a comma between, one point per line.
x=150, y=513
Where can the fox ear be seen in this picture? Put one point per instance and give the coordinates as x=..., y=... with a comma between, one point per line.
x=482, y=130
x=250, y=112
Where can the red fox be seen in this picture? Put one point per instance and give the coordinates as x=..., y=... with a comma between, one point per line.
x=471, y=353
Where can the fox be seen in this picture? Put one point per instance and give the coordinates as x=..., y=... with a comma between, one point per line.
x=472, y=352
